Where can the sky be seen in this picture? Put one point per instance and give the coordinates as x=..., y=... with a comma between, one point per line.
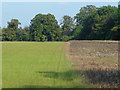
x=25, y=11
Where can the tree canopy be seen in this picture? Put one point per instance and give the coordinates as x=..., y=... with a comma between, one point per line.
x=44, y=28
x=90, y=23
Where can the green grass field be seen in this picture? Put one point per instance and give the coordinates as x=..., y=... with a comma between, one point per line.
x=38, y=65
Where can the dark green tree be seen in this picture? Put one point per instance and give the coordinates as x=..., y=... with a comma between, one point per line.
x=97, y=23
x=67, y=25
x=44, y=28
x=84, y=13
x=10, y=33
x=91, y=23
x=23, y=34
x=85, y=19
x=108, y=19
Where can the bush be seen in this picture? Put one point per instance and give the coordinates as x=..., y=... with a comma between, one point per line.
x=66, y=38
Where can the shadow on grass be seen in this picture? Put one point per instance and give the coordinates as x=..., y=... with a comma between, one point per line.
x=36, y=86
x=68, y=76
x=47, y=87
x=103, y=77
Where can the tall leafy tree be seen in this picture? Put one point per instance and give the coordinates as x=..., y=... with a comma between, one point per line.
x=86, y=19
x=108, y=19
x=84, y=13
x=44, y=28
x=10, y=33
x=67, y=25
x=115, y=31
x=97, y=23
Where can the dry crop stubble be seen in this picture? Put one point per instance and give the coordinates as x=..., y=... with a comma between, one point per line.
x=97, y=61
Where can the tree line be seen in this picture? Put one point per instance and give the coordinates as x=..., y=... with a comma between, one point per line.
x=90, y=23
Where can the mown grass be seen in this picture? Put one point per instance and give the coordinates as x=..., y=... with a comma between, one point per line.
x=38, y=65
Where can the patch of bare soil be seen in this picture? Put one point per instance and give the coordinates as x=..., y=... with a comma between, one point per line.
x=96, y=60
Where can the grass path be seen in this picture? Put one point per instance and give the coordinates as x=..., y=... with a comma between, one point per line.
x=37, y=65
